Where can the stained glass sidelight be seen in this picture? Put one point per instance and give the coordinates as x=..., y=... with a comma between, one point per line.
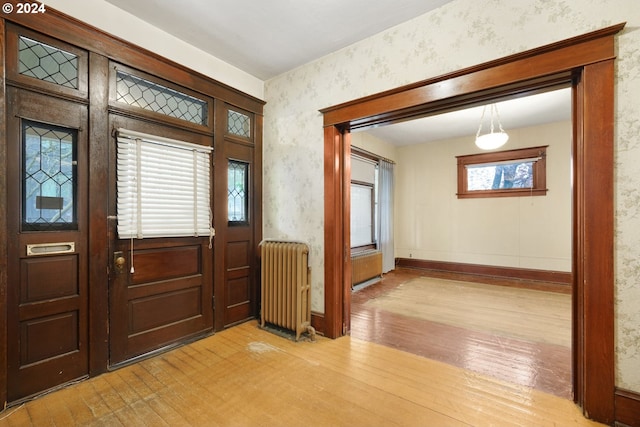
x=237, y=184
x=238, y=124
x=47, y=63
x=151, y=96
x=49, y=177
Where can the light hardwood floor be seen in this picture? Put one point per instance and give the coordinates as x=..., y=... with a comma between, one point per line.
x=245, y=376
x=515, y=331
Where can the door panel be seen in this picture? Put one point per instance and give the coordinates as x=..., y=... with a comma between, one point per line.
x=239, y=287
x=47, y=273
x=167, y=299
x=158, y=305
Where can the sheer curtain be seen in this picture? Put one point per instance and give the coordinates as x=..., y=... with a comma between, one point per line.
x=385, y=214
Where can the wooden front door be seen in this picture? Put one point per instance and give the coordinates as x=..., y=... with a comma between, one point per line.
x=237, y=215
x=47, y=242
x=167, y=298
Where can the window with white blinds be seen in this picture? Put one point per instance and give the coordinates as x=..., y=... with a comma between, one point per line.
x=163, y=187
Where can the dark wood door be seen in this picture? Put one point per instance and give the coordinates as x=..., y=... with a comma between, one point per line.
x=47, y=242
x=238, y=251
x=167, y=299
x=238, y=214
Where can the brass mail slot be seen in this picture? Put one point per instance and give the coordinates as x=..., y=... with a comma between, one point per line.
x=51, y=248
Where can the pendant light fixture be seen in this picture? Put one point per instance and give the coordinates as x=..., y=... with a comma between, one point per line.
x=491, y=140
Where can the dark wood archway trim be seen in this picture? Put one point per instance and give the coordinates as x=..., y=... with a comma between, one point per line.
x=587, y=63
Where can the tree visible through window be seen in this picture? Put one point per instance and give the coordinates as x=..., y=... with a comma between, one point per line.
x=504, y=173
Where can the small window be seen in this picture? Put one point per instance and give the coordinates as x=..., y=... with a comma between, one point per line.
x=503, y=174
x=151, y=96
x=237, y=194
x=238, y=124
x=46, y=64
x=48, y=177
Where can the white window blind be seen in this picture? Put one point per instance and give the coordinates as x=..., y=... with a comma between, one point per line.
x=163, y=187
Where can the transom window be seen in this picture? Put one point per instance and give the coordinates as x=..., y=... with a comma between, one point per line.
x=238, y=124
x=145, y=94
x=519, y=172
x=47, y=63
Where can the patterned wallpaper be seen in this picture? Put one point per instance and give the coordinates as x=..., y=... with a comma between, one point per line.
x=460, y=34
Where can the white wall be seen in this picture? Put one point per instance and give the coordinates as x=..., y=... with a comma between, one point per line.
x=113, y=20
x=373, y=144
x=525, y=232
x=459, y=34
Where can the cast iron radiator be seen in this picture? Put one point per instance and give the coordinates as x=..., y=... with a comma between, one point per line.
x=365, y=265
x=286, y=286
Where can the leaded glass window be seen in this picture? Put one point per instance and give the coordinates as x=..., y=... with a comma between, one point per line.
x=49, y=177
x=47, y=63
x=238, y=124
x=138, y=92
x=237, y=185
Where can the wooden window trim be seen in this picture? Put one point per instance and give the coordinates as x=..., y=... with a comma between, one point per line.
x=13, y=34
x=539, y=172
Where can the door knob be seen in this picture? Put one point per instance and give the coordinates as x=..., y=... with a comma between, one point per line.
x=118, y=262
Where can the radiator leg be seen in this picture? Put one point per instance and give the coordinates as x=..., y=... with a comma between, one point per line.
x=312, y=332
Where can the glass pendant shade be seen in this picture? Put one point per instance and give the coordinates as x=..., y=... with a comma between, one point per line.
x=491, y=140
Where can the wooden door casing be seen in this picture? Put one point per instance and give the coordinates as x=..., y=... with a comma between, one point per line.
x=167, y=300
x=47, y=310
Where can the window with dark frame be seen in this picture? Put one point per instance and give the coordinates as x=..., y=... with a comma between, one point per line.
x=238, y=124
x=47, y=63
x=49, y=163
x=237, y=192
x=151, y=96
x=511, y=173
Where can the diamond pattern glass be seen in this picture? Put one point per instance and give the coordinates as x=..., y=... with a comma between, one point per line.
x=151, y=96
x=48, y=171
x=238, y=175
x=47, y=63
x=238, y=124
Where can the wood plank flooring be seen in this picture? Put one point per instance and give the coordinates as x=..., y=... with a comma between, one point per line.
x=542, y=362
x=245, y=376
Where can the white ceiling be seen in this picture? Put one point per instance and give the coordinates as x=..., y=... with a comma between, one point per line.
x=266, y=38
x=514, y=113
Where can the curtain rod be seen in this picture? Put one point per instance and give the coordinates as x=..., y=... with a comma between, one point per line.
x=369, y=154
